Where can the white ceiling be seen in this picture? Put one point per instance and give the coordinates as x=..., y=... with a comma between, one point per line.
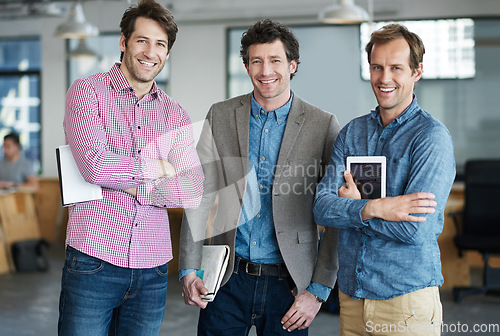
x=209, y=10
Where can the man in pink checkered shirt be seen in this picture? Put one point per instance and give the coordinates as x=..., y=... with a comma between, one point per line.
x=133, y=140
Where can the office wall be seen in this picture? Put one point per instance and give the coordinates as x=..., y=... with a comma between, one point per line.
x=198, y=58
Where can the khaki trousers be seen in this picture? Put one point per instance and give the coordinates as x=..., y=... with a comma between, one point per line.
x=417, y=313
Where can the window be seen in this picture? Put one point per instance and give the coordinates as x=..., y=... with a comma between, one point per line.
x=20, y=94
x=238, y=81
x=449, y=47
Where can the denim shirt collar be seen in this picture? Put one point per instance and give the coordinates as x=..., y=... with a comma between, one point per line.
x=280, y=114
x=408, y=113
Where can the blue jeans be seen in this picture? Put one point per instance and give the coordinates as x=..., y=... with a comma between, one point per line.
x=247, y=300
x=99, y=299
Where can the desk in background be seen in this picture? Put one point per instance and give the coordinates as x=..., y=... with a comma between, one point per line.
x=456, y=269
x=52, y=217
x=18, y=221
x=30, y=215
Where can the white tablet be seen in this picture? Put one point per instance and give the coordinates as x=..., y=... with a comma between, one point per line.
x=369, y=173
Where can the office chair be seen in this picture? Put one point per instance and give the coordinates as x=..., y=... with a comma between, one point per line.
x=480, y=222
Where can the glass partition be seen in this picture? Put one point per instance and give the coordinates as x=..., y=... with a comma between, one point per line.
x=20, y=94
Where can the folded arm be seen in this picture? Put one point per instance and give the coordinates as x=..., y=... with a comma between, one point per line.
x=407, y=218
x=173, y=181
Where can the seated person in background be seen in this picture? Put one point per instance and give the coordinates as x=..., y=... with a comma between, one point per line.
x=15, y=170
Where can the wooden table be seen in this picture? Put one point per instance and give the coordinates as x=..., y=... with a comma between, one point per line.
x=18, y=221
x=455, y=269
x=52, y=217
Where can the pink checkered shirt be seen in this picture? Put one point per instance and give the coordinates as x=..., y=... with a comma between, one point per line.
x=115, y=139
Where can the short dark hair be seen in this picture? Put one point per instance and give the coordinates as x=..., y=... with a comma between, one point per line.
x=14, y=137
x=267, y=31
x=152, y=10
x=394, y=31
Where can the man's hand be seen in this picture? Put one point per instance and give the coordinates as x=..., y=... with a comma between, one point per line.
x=302, y=312
x=400, y=208
x=394, y=209
x=349, y=190
x=165, y=169
x=192, y=288
x=6, y=184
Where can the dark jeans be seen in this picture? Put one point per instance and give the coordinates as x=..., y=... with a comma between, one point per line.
x=247, y=300
x=99, y=299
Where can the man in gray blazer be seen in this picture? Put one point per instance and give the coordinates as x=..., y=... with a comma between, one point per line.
x=263, y=154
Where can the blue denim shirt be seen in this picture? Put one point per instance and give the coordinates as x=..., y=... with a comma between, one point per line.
x=256, y=238
x=381, y=259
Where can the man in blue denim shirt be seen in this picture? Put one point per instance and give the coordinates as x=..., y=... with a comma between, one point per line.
x=389, y=259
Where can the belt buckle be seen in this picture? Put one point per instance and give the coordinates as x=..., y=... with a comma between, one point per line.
x=255, y=274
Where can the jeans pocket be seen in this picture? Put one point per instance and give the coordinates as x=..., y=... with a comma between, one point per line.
x=81, y=263
x=162, y=270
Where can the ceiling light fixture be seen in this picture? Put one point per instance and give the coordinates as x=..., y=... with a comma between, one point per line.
x=344, y=12
x=76, y=26
x=82, y=50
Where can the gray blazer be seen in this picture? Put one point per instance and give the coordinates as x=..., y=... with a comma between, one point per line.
x=304, y=154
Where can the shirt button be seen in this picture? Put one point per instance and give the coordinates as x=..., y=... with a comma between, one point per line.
x=263, y=158
x=254, y=243
x=279, y=120
x=139, y=127
x=139, y=151
x=267, y=131
x=261, y=187
x=262, y=111
x=258, y=215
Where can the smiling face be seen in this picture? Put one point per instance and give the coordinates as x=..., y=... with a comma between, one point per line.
x=269, y=70
x=392, y=78
x=144, y=54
